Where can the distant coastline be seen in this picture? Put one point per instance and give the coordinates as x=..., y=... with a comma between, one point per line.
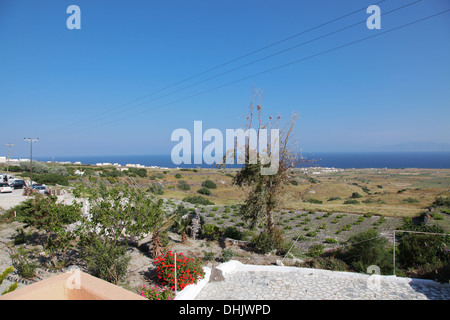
x=343, y=160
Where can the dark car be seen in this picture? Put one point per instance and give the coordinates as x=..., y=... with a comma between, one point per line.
x=18, y=184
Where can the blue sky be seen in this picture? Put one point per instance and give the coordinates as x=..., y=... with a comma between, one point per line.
x=73, y=88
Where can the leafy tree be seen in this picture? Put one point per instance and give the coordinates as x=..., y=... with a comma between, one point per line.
x=38, y=167
x=44, y=214
x=118, y=215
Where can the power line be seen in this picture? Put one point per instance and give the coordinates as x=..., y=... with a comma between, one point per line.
x=259, y=60
x=275, y=68
x=225, y=63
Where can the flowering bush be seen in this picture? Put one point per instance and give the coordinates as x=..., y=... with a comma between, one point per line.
x=189, y=270
x=156, y=293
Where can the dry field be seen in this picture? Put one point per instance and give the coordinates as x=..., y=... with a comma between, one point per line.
x=387, y=192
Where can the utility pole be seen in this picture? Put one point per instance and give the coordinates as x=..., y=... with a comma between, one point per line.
x=9, y=155
x=31, y=157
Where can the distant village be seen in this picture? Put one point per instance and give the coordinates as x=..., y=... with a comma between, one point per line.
x=305, y=170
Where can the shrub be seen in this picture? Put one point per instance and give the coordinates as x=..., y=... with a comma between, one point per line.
x=140, y=172
x=369, y=248
x=211, y=231
x=265, y=243
x=331, y=240
x=189, y=270
x=183, y=185
x=334, y=198
x=156, y=292
x=410, y=200
x=22, y=262
x=49, y=178
x=311, y=234
x=204, y=191
x=227, y=254
x=347, y=227
x=351, y=201
x=113, y=173
x=416, y=250
x=208, y=255
x=157, y=189
x=327, y=263
x=209, y=184
x=437, y=216
x=316, y=250
x=178, y=176
x=198, y=200
x=355, y=195
x=365, y=189
x=38, y=167
x=106, y=261
x=233, y=233
x=315, y=201
x=441, y=202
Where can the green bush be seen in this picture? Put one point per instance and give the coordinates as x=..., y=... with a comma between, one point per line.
x=327, y=263
x=106, y=261
x=351, y=201
x=369, y=248
x=227, y=254
x=178, y=176
x=208, y=255
x=441, y=202
x=22, y=262
x=418, y=250
x=209, y=184
x=204, y=191
x=211, y=231
x=156, y=188
x=316, y=250
x=315, y=201
x=198, y=200
x=355, y=195
x=265, y=243
x=233, y=233
x=48, y=178
x=410, y=200
x=334, y=198
x=140, y=172
x=183, y=185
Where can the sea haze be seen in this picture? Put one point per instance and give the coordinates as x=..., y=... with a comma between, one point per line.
x=343, y=160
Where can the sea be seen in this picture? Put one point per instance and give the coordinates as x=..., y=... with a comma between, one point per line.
x=343, y=160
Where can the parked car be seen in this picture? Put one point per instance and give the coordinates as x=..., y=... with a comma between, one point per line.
x=4, y=187
x=18, y=184
x=41, y=189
